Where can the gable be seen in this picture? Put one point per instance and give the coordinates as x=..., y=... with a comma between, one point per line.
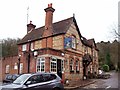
x=58, y=28
x=73, y=31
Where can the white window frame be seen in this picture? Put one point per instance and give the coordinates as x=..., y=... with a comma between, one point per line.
x=77, y=65
x=24, y=47
x=71, y=64
x=31, y=46
x=7, y=69
x=62, y=66
x=53, y=69
x=40, y=62
x=15, y=66
x=21, y=68
x=73, y=42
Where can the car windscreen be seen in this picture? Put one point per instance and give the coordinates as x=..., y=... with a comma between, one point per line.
x=21, y=79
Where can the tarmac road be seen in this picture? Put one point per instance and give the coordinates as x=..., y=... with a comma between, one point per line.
x=111, y=83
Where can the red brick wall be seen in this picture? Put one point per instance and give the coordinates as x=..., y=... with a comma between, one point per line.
x=1, y=70
x=9, y=61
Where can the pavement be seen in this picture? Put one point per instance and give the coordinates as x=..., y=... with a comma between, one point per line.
x=78, y=84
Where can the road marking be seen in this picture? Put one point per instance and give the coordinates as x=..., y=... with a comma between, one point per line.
x=108, y=87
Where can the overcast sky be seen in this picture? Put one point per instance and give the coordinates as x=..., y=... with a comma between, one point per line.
x=95, y=18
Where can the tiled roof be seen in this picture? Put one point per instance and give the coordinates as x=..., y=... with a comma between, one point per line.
x=89, y=42
x=85, y=41
x=60, y=27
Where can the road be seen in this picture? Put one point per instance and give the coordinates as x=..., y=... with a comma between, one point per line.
x=0, y=85
x=112, y=82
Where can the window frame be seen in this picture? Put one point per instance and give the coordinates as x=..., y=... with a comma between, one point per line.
x=7, y=69
x=24, y=47
x=62, y=66
x=77, y=66
x=71, y=65
x=40, y=61
x=21, y=68
x=74, y=42
x=53, y=69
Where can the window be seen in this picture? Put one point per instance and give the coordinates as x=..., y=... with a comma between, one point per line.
x=53, y=64
x=73, y=42
x=77, y=66
x=71, y=66
x=21, y=68
x=40, y=65
x=36, y=79
x=31, y=46
x=62, y=65
x=48, y=77
x=7, y=68
x=8, y=77
x=15, y=66
x=24, y=47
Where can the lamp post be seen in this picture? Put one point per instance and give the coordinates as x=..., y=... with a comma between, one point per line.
x=19, y=63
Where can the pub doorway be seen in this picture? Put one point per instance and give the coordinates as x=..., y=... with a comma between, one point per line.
x=59, y=68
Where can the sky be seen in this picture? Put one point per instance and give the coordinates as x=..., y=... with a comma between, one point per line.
x=95, y=18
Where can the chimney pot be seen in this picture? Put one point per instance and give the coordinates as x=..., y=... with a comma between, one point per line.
x=30, y=27
x=30, y=22
x=50, y=5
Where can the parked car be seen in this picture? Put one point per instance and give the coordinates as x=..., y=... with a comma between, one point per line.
x=9, y=78
x=37, y=81
x=103, y=75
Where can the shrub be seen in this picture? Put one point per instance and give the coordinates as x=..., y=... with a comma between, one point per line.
x=105, y=68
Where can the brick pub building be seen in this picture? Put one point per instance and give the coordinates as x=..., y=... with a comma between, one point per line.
x=57, y=48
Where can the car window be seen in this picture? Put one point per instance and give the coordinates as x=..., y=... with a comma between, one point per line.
x=21, y=79
x=14, y=77
x=52, y=76
x=48, y=77
x=8, y=76
x=35, y=79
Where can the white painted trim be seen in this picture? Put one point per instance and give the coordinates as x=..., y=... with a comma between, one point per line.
x=48, y=55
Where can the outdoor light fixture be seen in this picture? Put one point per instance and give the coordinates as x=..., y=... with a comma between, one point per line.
x=62, y=54
x=35, y=53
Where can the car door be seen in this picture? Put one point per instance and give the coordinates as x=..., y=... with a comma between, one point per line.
x=43, y=82
x=48, y=82
x=32, y=83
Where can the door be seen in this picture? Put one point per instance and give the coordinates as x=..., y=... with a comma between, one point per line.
x=59, y=68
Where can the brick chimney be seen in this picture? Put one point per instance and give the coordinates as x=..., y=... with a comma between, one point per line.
x=30, y=27
x=48, y=20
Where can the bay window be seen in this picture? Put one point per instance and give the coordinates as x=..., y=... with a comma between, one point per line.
x=53, y=65
x=40, y=65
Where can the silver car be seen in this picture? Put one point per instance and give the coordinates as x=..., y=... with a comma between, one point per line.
x=36, y=81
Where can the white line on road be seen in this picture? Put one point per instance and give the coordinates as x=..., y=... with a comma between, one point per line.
x=108, y=87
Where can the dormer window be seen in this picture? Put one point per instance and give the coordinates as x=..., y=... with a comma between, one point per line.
x=24, y=47
x=73, y=42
